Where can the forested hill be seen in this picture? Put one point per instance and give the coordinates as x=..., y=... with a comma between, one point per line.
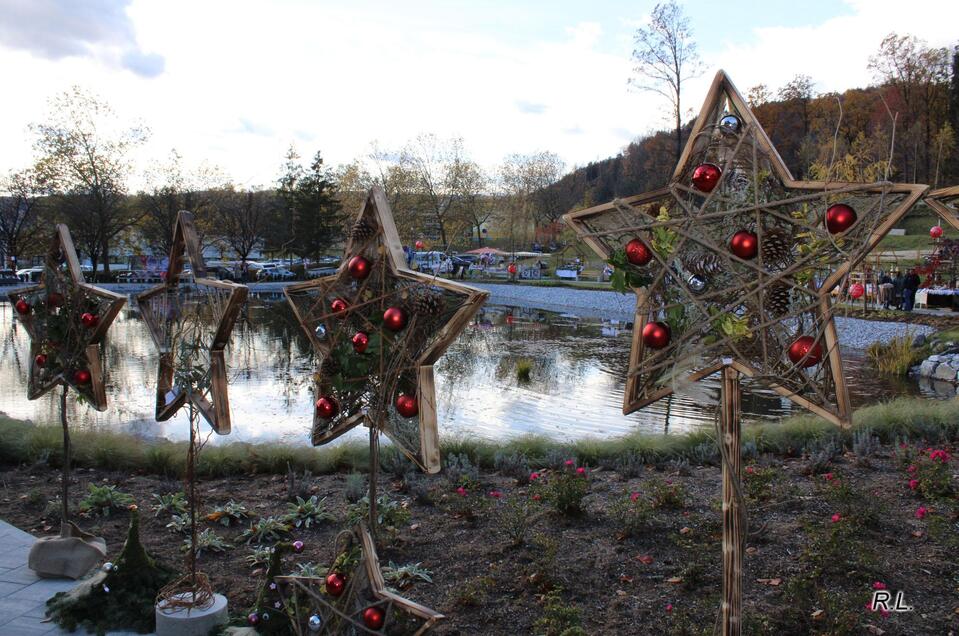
x=803, y=130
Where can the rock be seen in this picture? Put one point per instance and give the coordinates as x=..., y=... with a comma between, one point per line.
x=946, y=371
x=919, y=340
x=935, y=358
x=928, y=367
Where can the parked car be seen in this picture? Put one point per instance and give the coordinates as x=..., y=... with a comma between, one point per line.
x=316, y=272
x=275, y=273
x=8, y=277
x=29, y=275
x=432, y=262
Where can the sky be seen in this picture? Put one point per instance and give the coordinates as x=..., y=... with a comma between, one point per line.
x=233, y=83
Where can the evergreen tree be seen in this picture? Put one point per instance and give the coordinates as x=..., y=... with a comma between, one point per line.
x=312, y=210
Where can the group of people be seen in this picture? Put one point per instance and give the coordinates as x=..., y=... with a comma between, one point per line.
x=899, y=292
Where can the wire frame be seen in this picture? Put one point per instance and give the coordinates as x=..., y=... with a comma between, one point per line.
x=365, y=384
x=720, y=306
x=63, y=348
x=190, y=322
x=313, y=610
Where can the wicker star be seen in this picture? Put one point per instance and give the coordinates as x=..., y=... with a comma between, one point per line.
x=378, y=327
x=945, y=202
x=191, y=323
x=67, y=320
x=734, y=260
x=363, y=605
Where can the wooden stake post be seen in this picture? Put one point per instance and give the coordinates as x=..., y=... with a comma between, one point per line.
x=733, y=512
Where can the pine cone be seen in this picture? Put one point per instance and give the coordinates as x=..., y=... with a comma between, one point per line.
x=426, y=301
x=703, y=265
x=330, y=366
x=777, y=299
x=777, y=247
x=362, y=231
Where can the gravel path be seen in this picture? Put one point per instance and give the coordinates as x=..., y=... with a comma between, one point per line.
x=589, y=303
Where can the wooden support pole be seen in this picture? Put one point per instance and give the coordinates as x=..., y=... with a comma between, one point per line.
x=374, y=473
x=65, y=471
x=733, y=539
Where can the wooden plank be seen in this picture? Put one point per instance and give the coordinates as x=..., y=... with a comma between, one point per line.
x=220, y=410
x=831, y=342
x=69, y=253
x=191, y=242
x=733, y=531
x=98, y=393
x=429, y=433
x=391, y=238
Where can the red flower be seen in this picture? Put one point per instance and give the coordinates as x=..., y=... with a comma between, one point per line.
x=461, y=491
x=913, y=484
x=536, y=497
x=580, y=471
x=669, y=607
x=828, y=476
x=495, y=494
x=836, y=518
x=939, y=456
x=750, y=470
x=570, y=462
x=921, y=512
x=634, y=496
x=884, y=613
x=878, y=585
x=911, y=469
x=533, y=476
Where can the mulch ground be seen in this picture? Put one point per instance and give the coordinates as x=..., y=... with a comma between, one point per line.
x=804, y=572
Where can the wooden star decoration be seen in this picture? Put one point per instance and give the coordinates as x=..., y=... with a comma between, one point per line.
x=945, y=203
x=733, y=262
x=377, y=328
x=353, y=597
x=67, y=320
x=191, y=323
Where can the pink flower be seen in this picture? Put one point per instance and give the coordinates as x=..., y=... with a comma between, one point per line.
x=580, y=471
x=836, y=518
x=495, y=494
x=750, y=470
x=461, y=491
x=669, y=607
x=939, y=456
x=533, y=476
x=536, y=497
x=878, y=585
x=669, y=482
x=884, y=613
x=634, y=496
x=911, y=469
x=828, y=476
x=570, y=462
x=913, y=484
x=921, y=512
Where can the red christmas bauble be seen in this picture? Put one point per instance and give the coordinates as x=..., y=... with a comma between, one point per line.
x=511, y=268
x=638, y=253
x=706, y=176
x=935, y=231
x=89, y=320
x=394, y=318
x=360, y=267
x=656, y=335
x=335, y=584
x=339, y=305
x=54, y=299
x=40, y=360
x=327, y=407
x=374, y=617
x=856, y=290
x=22, y=307
x=360, y=342
x=420, y=245
x=81, y=376
x=406, y=405
x=839, y=218
x=805, y=352
x=744, y=244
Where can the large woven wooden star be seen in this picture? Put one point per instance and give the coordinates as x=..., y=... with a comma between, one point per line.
x=734, y=260
x=945, y=202
x=67, y=320
x=353, y=597
x=191, y=323
x=378, y=327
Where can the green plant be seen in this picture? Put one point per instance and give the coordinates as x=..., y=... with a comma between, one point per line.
x=468, y=504
x=104, y=500
x=355, y=487
x=310, y=569
x=560, y=617
x=759, y=482
x=896, y=356
x=228, y=514
x=515, y=516
x=666, y=494
x=390, y=513
x=179, y=523
x=933, y=475
x=266, y=530
x=461, y=471
x=403, y=576
x=208, y=541
x=307, y=512
x=524, y=366
x=630, y=514
x=259, y=556
x=473, y=592
x=564, y=489
x=172, y=504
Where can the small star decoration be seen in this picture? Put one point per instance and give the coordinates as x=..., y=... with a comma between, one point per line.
x=67, y=320
x=353, y=596
x=377, y=328
x=191, y=323
x=734, y=261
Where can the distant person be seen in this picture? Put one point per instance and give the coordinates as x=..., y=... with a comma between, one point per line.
x=909, y=286
x=885, y=290
x=897, y=283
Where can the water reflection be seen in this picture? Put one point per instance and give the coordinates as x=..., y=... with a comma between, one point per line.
x=575, y=387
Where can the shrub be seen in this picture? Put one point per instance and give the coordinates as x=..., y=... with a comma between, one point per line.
x=228, y=514
x=307, y=512
x=630, y=514
x=666, y=494
x=417, y=485
x=355, y=487
x=560, y=617
x=172, y=504
x=515, y=516
x=759, y=482
x=403, y=576
x=931, y=476
x=260, y=556
x=524, y=367
x=461, y=471
x=104, y=500
x=265, y=530
x=564, y=489
x=390, y=513
x=208, y=541
x=512, y=464
x=468, y=504
x=896, y=356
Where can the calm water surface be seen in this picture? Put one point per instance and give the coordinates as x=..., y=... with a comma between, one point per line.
x=576, y=388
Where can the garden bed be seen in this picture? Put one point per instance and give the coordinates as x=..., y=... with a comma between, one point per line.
x=825, y=527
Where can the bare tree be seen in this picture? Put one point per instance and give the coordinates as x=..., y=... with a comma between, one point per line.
x=666, y=57
x=242, y=219
x=758, y=95
x=20, y=195
x=438, y=168
x=475, y=201
x=523, y=179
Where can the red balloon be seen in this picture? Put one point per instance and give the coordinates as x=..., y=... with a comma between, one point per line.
x=394, y=318
x=335, y=584
x=656, y=335
x=407, y=405
x=89, y=320
x=40, y=360
x=22, y=307
x=706, y=176
x=81, y=376
x=360, y=267
x=511, y=268
x=420, y=245
x=54, y=299
x=744, y=244
x=360, y=342
x=339, y=305
x=935, y=231
x=839, y=218
x=327, y=407
x=805, y=352
x=638, y=253
x=374, y=617
x=856, y=290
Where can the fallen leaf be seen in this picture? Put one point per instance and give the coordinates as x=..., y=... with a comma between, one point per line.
x=674, y=579
x=645, y=559
x=751, y=550
x=414, y=526
x=624, y=578
x=917, y=534
x=620, y=593
x=685, y=530
x=818, y=614
x=776, y=581
x=872, y=629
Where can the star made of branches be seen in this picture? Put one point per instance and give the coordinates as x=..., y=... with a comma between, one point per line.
x=191, y=322
x=67, y=320
x=734, y=261
x=377, y=328
x=945, y=202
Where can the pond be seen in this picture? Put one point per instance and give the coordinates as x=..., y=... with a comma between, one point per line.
x=575, y=389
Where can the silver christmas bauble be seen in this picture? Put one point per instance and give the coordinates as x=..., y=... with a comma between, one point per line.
x=730, y=124
x=107, y=567
x=696, y=283
x=320, y=332
x=265, y=616
x=315, y=623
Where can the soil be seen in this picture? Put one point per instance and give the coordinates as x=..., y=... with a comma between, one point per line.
x=664, y=579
